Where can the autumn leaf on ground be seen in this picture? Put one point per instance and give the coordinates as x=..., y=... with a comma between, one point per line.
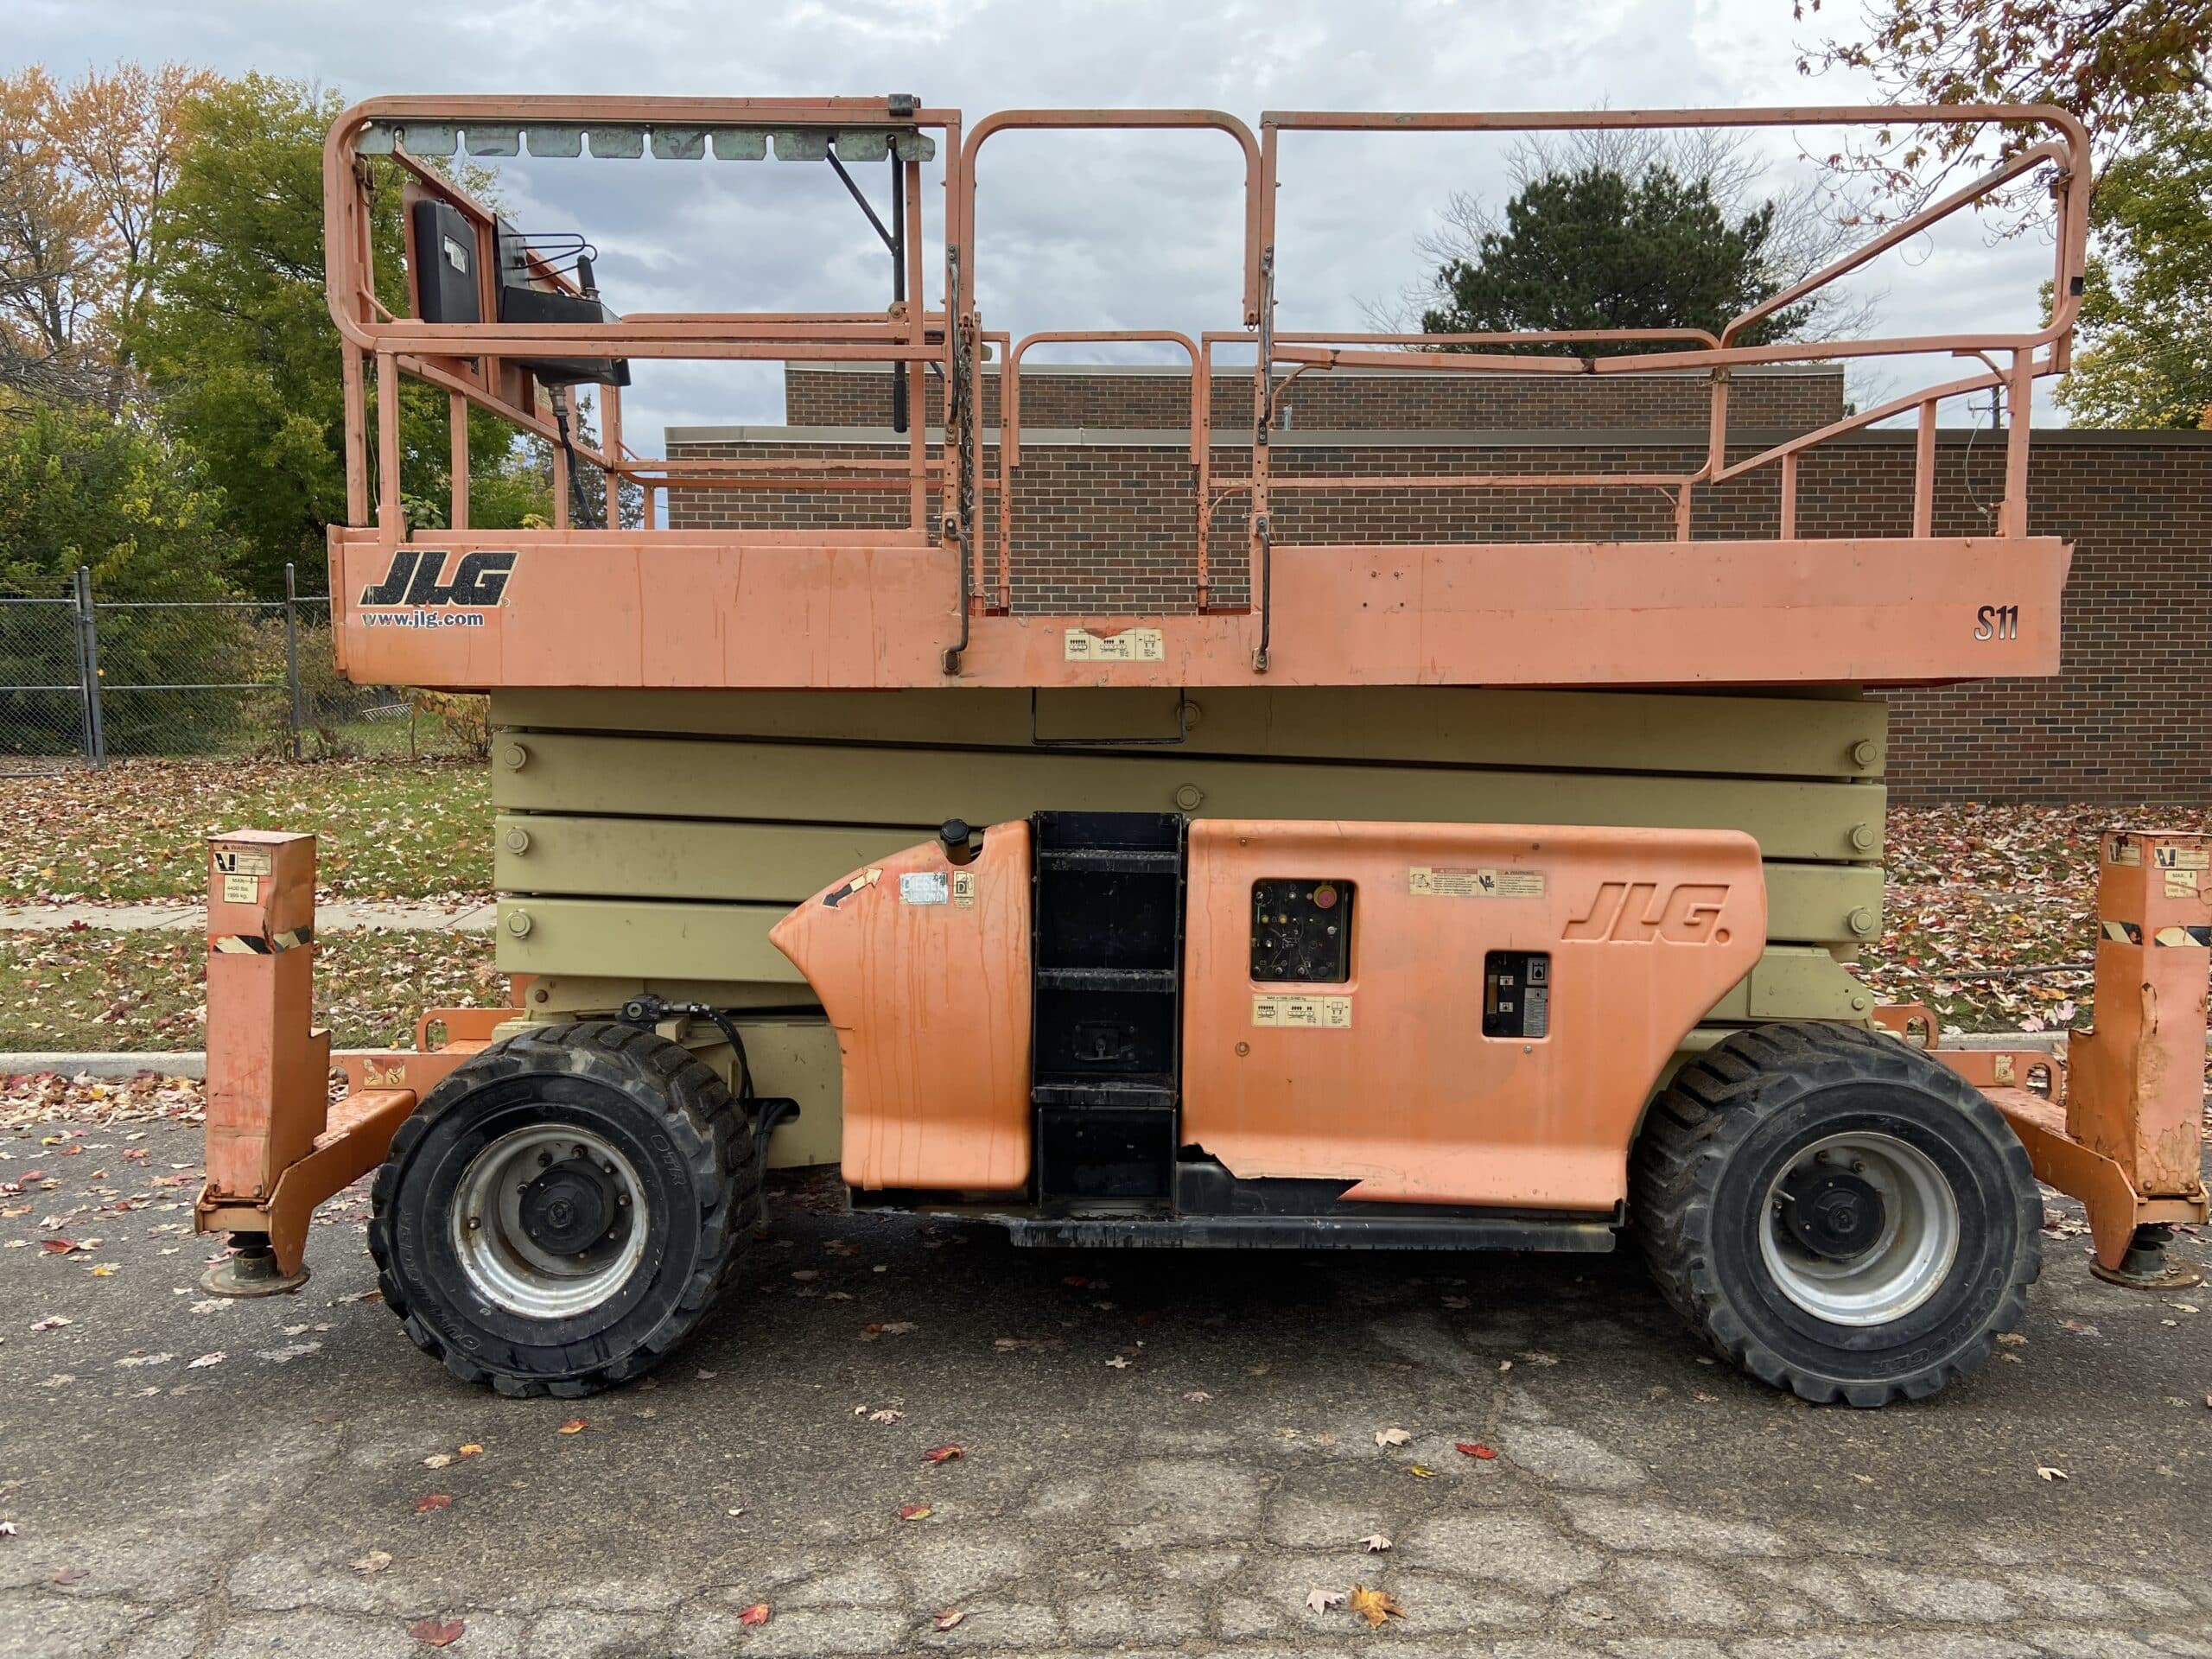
x=1319, y=1601
x=1420, y=1471
x=375, y=1561
x=1197, y=1396
x=69, y=1575
x=2044, y=1471
x=574, y=1426
x=1375, y=1606
x=470, y=1450
x=1374, y=1543
x=915, y=1512
x=888, y=1414
x=948, y=1619
x=1391, y=1437
x=943, y=1454
x=437, y=1461
x=59, y=1245
x=1119, y=1362
x=206, y=1360
x=1474, y=1449
x=756, y=1614
x=439, y=1633
x=431, y=1501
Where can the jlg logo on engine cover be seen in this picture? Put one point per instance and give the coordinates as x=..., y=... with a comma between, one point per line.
x=1633, y=912
x=480, y=579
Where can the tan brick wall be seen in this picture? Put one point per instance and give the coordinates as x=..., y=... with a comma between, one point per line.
x=1792, y=400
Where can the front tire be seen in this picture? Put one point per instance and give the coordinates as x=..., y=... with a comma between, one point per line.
x=1836, y=1213
x=562, y=1210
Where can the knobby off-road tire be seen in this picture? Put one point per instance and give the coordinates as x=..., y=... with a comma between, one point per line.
x=564, y=1210
x=1766, y=1178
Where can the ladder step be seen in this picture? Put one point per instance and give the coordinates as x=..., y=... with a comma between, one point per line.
x=1109, y=860
x=1106, y=979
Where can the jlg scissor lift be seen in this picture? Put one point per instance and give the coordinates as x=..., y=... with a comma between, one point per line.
x=1444, y=896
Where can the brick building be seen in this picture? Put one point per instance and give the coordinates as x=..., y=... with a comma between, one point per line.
x=1106, y=520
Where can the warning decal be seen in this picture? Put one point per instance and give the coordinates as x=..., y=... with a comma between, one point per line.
x=924, y=887
x=963, y=889
x=1444, y=882
x=241, y=889
x=1286, y=1009
x=1129, y=646
x=242, y=861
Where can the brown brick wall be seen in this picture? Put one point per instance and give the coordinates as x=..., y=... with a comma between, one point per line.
x=1791, y=400
x=1105, y=527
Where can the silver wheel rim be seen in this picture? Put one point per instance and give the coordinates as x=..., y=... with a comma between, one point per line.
x=1903, y=1262
x=504, y=1232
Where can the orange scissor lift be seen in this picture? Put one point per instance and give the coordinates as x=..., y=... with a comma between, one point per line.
x=1116, y=1027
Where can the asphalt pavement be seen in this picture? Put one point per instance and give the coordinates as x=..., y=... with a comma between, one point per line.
x=1172, y=1452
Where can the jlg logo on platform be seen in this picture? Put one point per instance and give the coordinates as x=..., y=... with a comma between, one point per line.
x=480, y=579
x=1632, y=911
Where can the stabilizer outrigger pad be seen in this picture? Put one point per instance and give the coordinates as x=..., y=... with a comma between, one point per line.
x=2147, y=1265
x=251, y=1269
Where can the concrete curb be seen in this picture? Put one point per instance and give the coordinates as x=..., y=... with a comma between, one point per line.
x=193, y=1063
x=337, y=918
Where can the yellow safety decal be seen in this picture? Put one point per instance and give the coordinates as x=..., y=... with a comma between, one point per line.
x=253, y=945
x=1440, y=882
x=1308, y=1012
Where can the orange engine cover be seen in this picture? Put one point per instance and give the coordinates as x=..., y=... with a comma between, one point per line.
x=1386, y=1078
x=923, y=967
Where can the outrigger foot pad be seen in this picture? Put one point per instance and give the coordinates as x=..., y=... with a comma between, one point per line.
x=2147, y=1266
x=251, y=1269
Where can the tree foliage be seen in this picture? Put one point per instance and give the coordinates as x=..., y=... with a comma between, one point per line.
x=2111, y=62
x=1620, y=231
x=2146, y=314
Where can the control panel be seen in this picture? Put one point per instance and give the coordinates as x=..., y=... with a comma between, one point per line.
x=1301, y=931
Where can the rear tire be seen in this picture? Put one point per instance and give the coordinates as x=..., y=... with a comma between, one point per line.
x=1836, y=1213
x=564, y=1210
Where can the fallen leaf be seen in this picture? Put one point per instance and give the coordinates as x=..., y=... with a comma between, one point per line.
x=52, y=1322
x=1391, y=1437
x=1197, y=1396
x=206, y=1360
x=949, y=1618
x=431, y=1501
x=1420, y=1471
x=439, y=1633
x=7, y=1528
x=59, y=1245
x=1375, y=1606
x=915, y=1512
x=1118, y=1362
x=104, y=1270
x=574, y=1426
x=1319, y=1601
x=806, y=1275
x=943, y=1454
x=756, y=1614
x=471, y=1449
x=886, y=1416
x=69, y=1575
x=2044, y=1471
x=1374, y=1543
x=2010, y=1339
x=1474, y=1449
x=437, y=1461
x=375, y=1561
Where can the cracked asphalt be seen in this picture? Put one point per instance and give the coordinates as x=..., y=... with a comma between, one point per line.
x=1161, y=1452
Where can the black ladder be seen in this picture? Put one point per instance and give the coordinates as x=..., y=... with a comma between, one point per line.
x=1107, y=971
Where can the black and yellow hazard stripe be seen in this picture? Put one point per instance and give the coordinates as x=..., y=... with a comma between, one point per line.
x=255, y=944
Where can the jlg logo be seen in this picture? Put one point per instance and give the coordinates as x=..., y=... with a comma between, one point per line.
x=1633, y=912
x=479, y=579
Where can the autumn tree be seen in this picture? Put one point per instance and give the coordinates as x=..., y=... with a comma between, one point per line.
x=2113, y=63
x=2146, y=357
x=83, y=169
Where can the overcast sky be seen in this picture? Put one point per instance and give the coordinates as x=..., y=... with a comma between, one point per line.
x=1089, y=230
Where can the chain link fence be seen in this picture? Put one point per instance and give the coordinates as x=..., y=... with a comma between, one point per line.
x=84, y=680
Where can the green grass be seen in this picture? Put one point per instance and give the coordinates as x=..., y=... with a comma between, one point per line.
x=95, y=990
x=137, y=830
